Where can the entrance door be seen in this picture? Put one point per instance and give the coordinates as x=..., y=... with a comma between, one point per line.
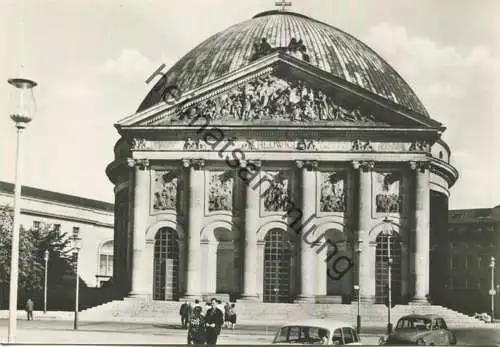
x=225, y=267
x=166, y=265
x=277, y=259
x=382, y=268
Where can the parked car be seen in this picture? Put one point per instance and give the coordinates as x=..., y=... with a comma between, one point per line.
x=428, y=330
x=317, y=332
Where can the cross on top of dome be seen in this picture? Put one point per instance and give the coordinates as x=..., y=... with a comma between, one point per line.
x=283, y=4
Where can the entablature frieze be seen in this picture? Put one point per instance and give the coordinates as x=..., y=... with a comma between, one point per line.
x=217, y=143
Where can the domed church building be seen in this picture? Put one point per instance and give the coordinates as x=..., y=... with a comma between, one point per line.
x=280, y=160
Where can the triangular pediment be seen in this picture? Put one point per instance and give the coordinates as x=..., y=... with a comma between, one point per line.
x=276, y=91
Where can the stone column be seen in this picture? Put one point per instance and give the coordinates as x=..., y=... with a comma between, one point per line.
x=366, y=262
x=195, y=218
x=422, y=231
x=308, y=256
x=139, y=287
x=250, y=261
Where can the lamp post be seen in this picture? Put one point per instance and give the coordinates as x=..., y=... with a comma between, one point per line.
x=390, y=234
x=357, y=288
x=76, y=250
x=21, y=115
x=492, y=290
x=389, y=292
x=358, y=317
x=46, y=260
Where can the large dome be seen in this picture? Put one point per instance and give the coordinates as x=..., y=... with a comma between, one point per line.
x=329, y=49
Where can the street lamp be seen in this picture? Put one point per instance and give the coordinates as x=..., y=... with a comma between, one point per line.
x=358, y=317
x=76, y=250
x=389, y=232
x=389, y=292
x=46, y=260
x=357, y=288
x=22, y=114
x=492, y=290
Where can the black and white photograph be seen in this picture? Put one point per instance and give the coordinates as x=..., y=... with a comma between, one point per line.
x=255, y=172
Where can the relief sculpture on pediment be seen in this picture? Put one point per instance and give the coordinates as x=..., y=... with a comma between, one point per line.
x=165, y=185
x=273, y=98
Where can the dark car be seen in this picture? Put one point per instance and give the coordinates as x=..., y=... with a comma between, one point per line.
x=428, y=330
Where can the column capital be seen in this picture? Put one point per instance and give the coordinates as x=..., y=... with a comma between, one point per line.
x=142, y=164
x=310, y=165
x=363, y=165
x=197, y=164
x=420, y=165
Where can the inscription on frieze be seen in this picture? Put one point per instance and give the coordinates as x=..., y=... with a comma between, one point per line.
x=307, y=145
x=333, y=191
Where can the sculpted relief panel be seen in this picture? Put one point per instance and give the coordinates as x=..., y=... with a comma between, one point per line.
x=273, y=98
x=333, y=191
x=165, y=184
x=388, y=192
x=220, y=191
x=275, y=191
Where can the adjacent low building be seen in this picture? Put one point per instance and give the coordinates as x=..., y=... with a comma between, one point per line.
x=93, y=218
x=472, y=238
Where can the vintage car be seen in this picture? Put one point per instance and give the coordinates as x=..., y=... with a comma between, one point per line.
x=428, y=330
x=317, y=332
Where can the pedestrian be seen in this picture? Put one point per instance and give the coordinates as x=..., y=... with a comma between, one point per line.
x=184, y=313
x=214, y=320
x=227, y=308
x=232, y=316
x=196, y=329
x=30, y=305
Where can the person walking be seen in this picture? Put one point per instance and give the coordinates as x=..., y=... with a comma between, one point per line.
x=30, y=305
x=196, y=329
x=214, y=320
x=184, y=313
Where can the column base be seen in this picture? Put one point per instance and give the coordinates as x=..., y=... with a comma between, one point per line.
x=306, y=299
x=419, y=302
x=364, y=299
x=143, y=296
x=249, y=297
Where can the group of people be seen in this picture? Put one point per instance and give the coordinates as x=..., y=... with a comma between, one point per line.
x=204, y=326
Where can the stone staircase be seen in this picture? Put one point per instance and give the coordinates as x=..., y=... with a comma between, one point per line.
x=162, y=312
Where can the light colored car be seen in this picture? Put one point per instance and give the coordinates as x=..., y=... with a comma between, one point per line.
x=317, y=332
x=414, y=329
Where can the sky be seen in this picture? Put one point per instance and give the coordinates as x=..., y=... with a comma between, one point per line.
x=91, y=59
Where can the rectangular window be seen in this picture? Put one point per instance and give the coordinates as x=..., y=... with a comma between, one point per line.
x=36, y=224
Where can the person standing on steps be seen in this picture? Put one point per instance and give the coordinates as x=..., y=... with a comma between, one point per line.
x=30, y=305
x=214, y=320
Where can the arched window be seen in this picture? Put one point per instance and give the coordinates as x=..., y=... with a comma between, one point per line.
x=105, y=261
